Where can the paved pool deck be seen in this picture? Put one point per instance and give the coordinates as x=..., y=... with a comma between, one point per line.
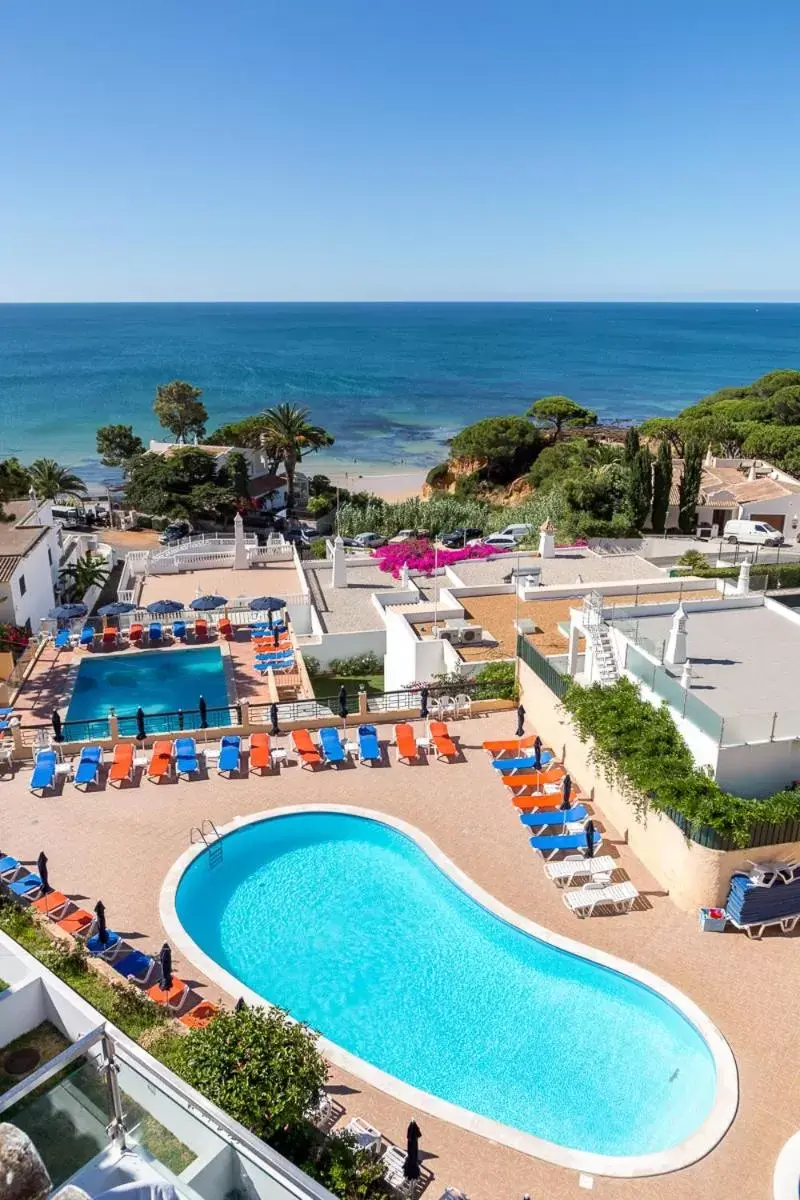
x=119, y=845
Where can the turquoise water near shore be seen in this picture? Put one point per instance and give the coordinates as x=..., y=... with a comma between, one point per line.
x=391, y=381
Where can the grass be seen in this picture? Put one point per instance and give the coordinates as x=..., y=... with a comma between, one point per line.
x=45, y=1038
x=326, y=685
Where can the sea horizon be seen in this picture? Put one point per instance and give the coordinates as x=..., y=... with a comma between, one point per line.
x=391, y=380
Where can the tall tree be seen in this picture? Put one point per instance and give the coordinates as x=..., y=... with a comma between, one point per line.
x=640, y=486
x=15, y=480
x=234, y=475
x=631, y=445
x=179, y=409
x=662, y=485
x=117, y=445
x=560, y=411
x=690, y=486
x=49, y=480
x=86, y=572
x=500, y=447
x=289, y=434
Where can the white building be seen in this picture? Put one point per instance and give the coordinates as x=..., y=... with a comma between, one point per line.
x=734, y=489
x=30, y=549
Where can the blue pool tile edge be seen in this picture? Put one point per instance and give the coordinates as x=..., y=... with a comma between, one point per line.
x=675, y=1158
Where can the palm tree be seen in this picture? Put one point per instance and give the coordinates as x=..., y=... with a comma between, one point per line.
x=288, y=435
x=85, y=573
x=50, y=480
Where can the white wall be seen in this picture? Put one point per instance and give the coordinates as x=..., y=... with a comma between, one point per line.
x=789, y=505
x=37, y=572
x=407, y=658
x=346, y=645
x=759, y=768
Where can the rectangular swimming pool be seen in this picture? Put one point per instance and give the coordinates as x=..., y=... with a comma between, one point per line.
x=158, y=681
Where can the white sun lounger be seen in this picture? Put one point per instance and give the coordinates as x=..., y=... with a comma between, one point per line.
x=577, y=866
x=619, y=896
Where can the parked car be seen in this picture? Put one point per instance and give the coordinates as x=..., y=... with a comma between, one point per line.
x=756, y=532
x=408, y=534
x=518, y=532
x=501, y=541
x=370, y=541
x=459, y=537
x=300, y=536
x=174, y=532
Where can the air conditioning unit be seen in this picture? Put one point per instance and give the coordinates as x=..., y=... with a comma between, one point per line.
x=471, y=633
x=443, y=634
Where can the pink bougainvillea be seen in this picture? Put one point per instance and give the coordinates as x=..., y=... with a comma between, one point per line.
x=421, y=558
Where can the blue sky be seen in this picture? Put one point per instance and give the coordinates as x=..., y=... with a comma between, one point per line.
x=423, y=149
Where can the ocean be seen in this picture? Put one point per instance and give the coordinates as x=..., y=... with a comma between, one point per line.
x=391, y=382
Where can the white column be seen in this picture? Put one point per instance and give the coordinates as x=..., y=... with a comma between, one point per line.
x=240, y=562
x=743, y=584
x=339, y=564
x=404, y=577
x=676, y=642
x=572, y=650
x=547, y=540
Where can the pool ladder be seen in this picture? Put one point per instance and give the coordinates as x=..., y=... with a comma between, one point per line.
x=208, y=834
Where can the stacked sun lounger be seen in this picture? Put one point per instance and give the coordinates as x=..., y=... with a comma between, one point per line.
x=756, y=901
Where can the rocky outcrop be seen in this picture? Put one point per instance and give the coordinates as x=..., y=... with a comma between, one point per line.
x=23, y=1175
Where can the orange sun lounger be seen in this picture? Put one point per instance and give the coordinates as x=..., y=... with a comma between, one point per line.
x=260, y=759
x=543, y=801
x=200, y=1015
x=78, y=922
x=445, y=746
x=509, y=745
x=122, y=762
x=171, y=998
x=532, y=779
x=305, y=747
x=135, y=633
x=201, y=629
x=225, y=628
x=53, y=905
x=160, y=760
x=406, y=742
x=110, y=635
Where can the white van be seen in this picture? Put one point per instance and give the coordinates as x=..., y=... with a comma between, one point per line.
x=756, y=532
x=517, y=532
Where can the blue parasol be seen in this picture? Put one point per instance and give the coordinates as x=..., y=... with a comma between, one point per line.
x=207, y=603
x=267, y=604
x=68, y=612
x=118, y=608
x=163, y=608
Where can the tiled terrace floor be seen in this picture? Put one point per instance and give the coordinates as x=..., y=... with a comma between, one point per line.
x=120, y=844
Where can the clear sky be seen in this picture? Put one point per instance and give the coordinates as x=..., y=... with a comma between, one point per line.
x=399, y=149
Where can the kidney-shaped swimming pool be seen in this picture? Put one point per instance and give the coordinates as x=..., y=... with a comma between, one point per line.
x=349, y=924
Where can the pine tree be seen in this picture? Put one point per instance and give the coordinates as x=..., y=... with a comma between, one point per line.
x=640, y=486
x=690, y=486
x=662, y=485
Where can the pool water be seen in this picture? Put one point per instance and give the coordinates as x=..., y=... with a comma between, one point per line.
x=160, y=681
x=349, y=925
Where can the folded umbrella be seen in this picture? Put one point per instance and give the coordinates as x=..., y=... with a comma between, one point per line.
x=140, y=730
x=165, y=959
x=343, y=702
x=273, y=720
x=589, y=831
x=41, y=867
x=537, y=753
x=102, y=928
x=566, y=791
x=57, y=733
x=520, y=722
x=423, y=703
x=411, y=1164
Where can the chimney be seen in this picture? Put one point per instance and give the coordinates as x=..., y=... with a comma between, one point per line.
x=676, y=642
x=339, y=564
x=751, y=474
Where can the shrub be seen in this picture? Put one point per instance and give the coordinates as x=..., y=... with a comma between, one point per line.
x=640, y=750
x=260, y=1067
x=317, y=548
x=497, y=681
x=313, y=665
x=419, y=556
x=319, y=505
x=694, y=559
x=359, y=664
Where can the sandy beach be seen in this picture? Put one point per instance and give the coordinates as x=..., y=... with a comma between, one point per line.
x=373, y=477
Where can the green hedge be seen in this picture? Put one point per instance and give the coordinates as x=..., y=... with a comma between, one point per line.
x=641, y=751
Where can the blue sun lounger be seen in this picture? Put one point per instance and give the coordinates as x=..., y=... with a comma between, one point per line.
x=88, y=768
x=332, y=748
x=99, y=950
x=44, y=771
x=136, y=966
x=87, y=636
x=230, y=753
x=62, y=639
x=26, y=886
x=553, y=817
x=154, y=632
x=368, y=747
x=9, y=867
x=548, y=844
x=520, y=764
x=186, y=756
x=179, y=631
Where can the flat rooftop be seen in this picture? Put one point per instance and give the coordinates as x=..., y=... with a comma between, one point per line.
x=569, y=566
x=744, y=660
x=350, y=609
x=278, y=579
